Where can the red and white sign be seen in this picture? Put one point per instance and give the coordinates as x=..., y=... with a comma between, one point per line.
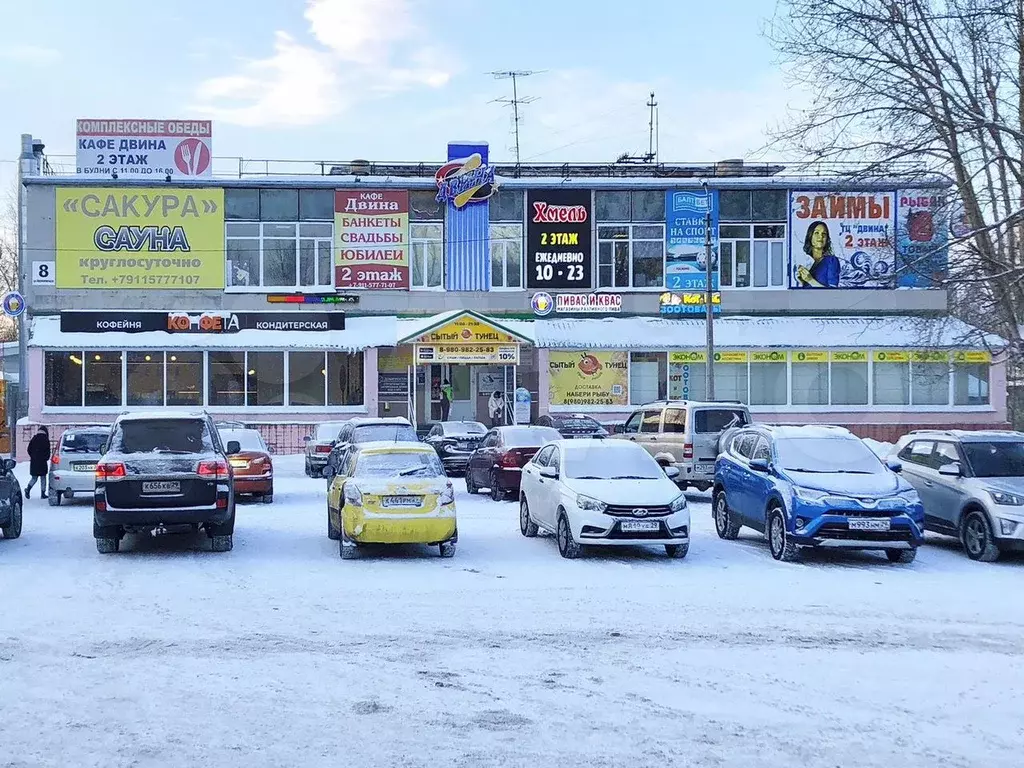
x=371, y=231
x=141, y=149
x=588, y=302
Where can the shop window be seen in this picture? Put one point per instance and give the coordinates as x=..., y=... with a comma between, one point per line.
x=612, y=205
x=648, y=205
x=279, y=255
x=647, y=377
x=345, y=378
x=242, y=204
x=185, y=378
x=930, y=383
x=279, y=205
x=507, y=205
x=752, y=255
x=226, y=379
x=423, y=206
x=731, y=381
x=103, y=379
x=755, y=205
x=427, y=255
x=769, y=384
x=850, y=383
x=631, y=256
x=506, y=256
x=809, y=385
x=63, y=378
x=306, y=375
x=970, y=384
x=145, y=377
x=316, y=205
x=891, y=383
x=687, y=381
x=264, y=377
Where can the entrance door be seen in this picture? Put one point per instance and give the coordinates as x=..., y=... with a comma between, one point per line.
x=463, y=393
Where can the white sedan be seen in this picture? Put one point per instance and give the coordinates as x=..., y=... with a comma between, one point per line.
x=602, y=493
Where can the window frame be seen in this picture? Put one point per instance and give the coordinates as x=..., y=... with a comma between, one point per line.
x=426, y=243
x=298, y=241
x=630, y=240
x=504, y=243
x=750, y=239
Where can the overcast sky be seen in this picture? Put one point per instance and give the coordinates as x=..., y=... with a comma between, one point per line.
x=397, y=79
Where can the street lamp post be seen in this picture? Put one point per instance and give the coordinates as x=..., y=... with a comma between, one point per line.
x=708, y=315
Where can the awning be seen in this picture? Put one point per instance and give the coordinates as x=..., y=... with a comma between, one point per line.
x=411, y=330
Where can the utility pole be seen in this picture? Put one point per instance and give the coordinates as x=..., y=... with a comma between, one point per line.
x=708, y=314
x=652, y=145
x=515, y=101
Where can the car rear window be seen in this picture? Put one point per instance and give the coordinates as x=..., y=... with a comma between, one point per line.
x=82, y=442
x=418, y=464
x=248, y=439
x=463, y=428
x=529, y=437
x=716, y=419
x=371, y=433
x=327, y=432
x=576, y=422
x=162, y=436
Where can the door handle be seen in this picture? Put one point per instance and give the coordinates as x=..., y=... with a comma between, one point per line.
x=653, y=439
x=929, y=483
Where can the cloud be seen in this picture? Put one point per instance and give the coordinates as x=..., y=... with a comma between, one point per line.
x=33, y=55
x=360, y=49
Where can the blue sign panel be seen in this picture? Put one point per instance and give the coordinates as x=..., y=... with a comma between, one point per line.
x=686, y=255
x=464, y=184
x=922, y=238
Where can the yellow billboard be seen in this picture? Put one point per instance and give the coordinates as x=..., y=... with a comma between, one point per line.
x=146, y=237
x=775, y=356
x=977, y=356
x=588, y=378
x=466, y=329
x=810, y=356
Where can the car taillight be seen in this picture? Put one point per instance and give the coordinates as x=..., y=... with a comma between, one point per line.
x=108, y=470
x=513, y=458
x=55, y=459
x=687, y=450
x=323, y=449
x=215, y=470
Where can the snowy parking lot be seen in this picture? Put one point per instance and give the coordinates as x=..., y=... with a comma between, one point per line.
x=281, y=654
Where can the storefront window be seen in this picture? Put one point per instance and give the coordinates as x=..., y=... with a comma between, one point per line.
x=756, y=205
x=891, y=379
x=279, y=254
x=427, y=256
x=507, y=205
x=345, y=378
x=306, y=374
x=103, y=379
x=226, y=378
x=809, y=384
x=63, y=374
x=970, y=384
x=930, y=382
x=185, y=378
x=145, y=377
x=631, y=256
x=731, y=381
x=264, y=378
x=752, y=255
x=506, y=256
x=769, y=384
x=687, y=376
x=647, y=377
x=850, y=381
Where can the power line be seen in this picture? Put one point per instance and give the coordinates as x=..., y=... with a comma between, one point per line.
x=515, y=101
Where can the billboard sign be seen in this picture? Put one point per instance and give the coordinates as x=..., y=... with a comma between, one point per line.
x=686, y=214
x=842, y=239
x=145, y=148
x=588, y=378
x=117, y=238
x=371, y=231
x=558, y=240
x=465, y=184
x=922, y=238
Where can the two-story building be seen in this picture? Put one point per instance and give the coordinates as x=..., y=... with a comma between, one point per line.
x=285, y=300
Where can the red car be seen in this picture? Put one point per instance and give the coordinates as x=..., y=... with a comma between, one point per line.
x=498, y=462
x=250, y=460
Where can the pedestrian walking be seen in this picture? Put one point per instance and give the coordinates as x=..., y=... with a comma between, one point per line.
x=39, y=460
x=496, y=408
x=446, y=399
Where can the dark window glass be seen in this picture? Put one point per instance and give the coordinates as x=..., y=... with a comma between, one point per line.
x=227, y=378
x=769, y=231
x=316, y=204
x=145, y=376
x=243, y=266
x=306, y=374
x=611, y=205
x=265, y=378
x=507, y=205
x=82, y=442
x=998, y=458
x=769, y=204
x=103, y=378
x=761, y=450
x=715, y=420
x=279, y=204
x=344, y=378
x=423, y=205
x=63, y=376
x=184, y=378
x=169, y=435
x=649, y=205
x=675, y=420
x=242, y=204
x=734, y=205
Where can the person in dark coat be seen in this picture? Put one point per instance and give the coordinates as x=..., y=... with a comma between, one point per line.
x=39, y=460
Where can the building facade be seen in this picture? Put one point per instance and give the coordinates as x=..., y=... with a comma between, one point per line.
x=284, y=301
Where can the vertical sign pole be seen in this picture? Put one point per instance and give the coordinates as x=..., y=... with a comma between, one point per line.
x=708, y=314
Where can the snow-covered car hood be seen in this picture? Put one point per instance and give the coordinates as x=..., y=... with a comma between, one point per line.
x=625, y=492
x=1008, y=484
x=876, y=484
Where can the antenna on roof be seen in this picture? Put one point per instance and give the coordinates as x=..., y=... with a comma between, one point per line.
x=515, y=101
x=653, y=138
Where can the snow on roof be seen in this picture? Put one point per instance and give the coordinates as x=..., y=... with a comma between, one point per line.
x=831, y=332
x=360, y=333
x=395, y=445
x=810, y=430
x=361, y=421
x=168, y=413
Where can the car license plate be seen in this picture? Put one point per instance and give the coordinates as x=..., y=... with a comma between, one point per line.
x=161, y=486
x=870, y=524
x=638, y=526
x=704, y=469
x=84, y=467
x=463, y=446
x=239, y=463
x=402, y=501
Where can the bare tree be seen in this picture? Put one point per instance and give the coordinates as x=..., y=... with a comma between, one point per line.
x=8, y=257
x=906, y=88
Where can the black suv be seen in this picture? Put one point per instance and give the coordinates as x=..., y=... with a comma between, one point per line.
x=164, y=470
x=10, y=500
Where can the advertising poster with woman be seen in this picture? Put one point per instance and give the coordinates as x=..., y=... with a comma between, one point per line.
x=842, y=239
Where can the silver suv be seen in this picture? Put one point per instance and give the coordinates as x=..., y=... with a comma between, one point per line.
x=971, y=485
x=685, y=434
x=73, y=466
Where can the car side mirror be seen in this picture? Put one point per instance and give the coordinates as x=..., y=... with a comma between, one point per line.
x=895, y=466
x=233, y=447
x=549, y=472
x=9, y=465
x=759, y=465
x=671, y=472
x=271, y=449
x=950, y=470
x=329, y=472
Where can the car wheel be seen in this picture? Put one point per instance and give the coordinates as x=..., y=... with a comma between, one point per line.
x=526, y=526
x=309, y=469
x=677, y=551
x=977, y=538
x=222, y=542
x=107, y=546
x=778, y=537
x=347, y=549
x=470, y=485
x=268, y=498
x=332, y=533
x=13, y=529
x=901, y=556
x=725, y=526
x=447, y=548
x=496, y=493
x=53, y=498
x=567, y=546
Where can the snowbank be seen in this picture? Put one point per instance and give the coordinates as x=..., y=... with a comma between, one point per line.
x=880, y=449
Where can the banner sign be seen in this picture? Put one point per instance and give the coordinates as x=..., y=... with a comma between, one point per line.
x=502, y=354
x=731, y=357
x=890, y=356
x=145, y=148
x=464, y=184
x=371, y=233
x=774, y=356
x=114, y=238
x=689, y=303
x=686, y=255
x=682, y=358
x=544, y=304
x=810, y=356
x=848, y=357
x=922, y=238
x=972, y=357
x=588, y=378
x=558, y=239
x=842, y=240
x=467, y=330
x=201, y=322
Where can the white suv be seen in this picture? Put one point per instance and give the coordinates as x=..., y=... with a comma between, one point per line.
x=602, y=493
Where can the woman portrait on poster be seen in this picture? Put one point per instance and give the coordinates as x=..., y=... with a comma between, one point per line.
x=824, y=269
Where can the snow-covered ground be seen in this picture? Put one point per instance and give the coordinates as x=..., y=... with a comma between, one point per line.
x=281, y=654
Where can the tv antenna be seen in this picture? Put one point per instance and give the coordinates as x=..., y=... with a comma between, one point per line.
x=515, y=101
x=652, y=138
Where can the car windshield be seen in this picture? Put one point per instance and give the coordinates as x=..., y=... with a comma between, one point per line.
x=83, y=442
x=248, y=439
x=418, y=464
x=608, y=462
x=711, y=420
x=327, y=432
x=576, y=422
x=996, y=459
x=827, y=455
x=392, y=433
x=463, y=428
x=162, y=436
x=529, y=437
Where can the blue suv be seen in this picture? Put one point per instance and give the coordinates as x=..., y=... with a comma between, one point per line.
x=815, y=486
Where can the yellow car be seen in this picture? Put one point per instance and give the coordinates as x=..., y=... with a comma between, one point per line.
x=390, y=493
